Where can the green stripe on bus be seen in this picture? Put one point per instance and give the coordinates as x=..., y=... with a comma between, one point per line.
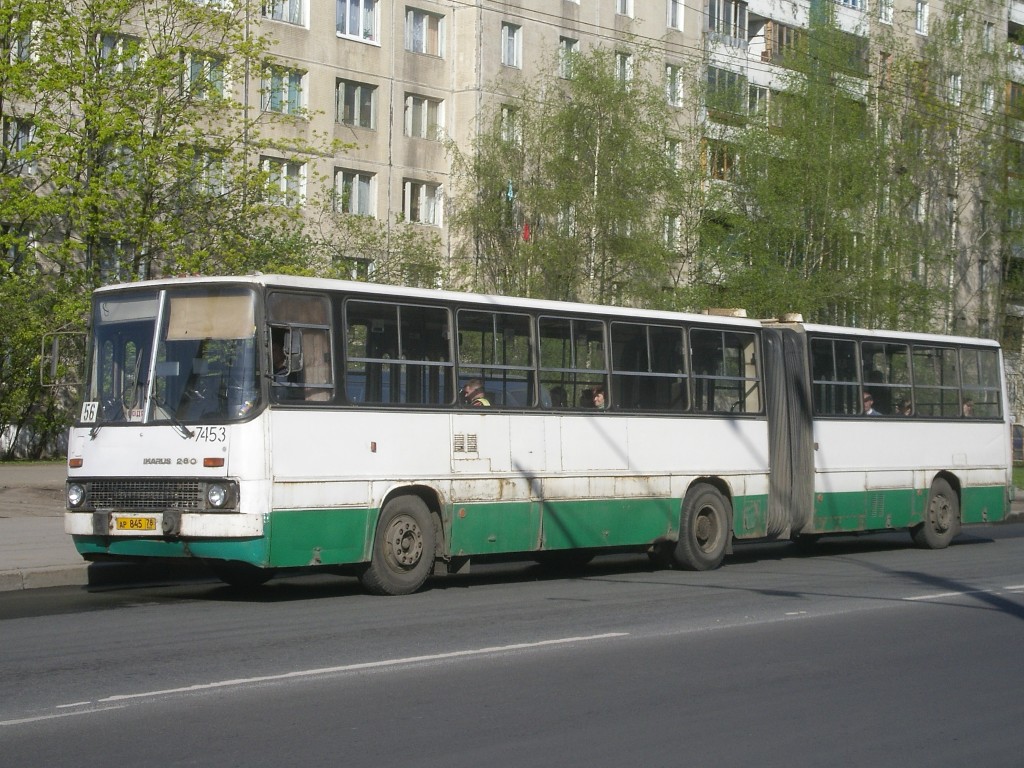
x=898, y=508
x=254, y=550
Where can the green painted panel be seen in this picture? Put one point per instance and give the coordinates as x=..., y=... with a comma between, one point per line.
x=488, y=528
x=984, y=505
x=608, y=522
x=750, y=517
x=866, y=510
x=898, y=508
x=320, y=536
x=247, y=550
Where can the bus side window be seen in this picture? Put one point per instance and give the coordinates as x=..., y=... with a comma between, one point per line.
x=301, y=359
x=725, y=372
x=397, y=354
x=572, y=357
x=834, y=378
x=648, y=367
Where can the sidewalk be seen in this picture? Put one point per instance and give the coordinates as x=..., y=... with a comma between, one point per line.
x=35, y=551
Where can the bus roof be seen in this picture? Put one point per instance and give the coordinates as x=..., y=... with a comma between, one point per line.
x=509, y=302
x=394, y=291
x=887, y=335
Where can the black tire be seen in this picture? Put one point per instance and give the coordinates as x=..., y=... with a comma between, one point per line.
x=403, y=548
x=941, y=518
x=704, y=529
x=241, y=575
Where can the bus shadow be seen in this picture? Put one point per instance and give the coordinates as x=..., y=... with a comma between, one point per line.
x=310, y=584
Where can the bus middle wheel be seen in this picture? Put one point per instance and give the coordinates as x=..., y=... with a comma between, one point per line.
x=704, y=529
x=403, y=548
x=941, y=518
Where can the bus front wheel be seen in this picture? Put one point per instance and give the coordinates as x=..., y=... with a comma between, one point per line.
x=703, y=529
x=403, y=548
x=941, y=518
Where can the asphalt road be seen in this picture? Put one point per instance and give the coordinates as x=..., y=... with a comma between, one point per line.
x=866, y=653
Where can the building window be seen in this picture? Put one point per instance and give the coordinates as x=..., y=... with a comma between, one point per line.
x=954, y=89
x=282, y=90
x=284, y=10
x=286, y=181
x=204, y=78
x=353, y=193
x=424, y=32
x=511, y=45
x=210, y=173
x=675, y=14
x=921, y=17
x=988, y=99
x=421, y=202
x=568, y=49
x=672, y=228
x=885, y=11
x=758, y=97
x=357, y=19
x=721, y=160
x=17, y=138
x=424, y=117
x=674, y=152
x=624, y=68
x=21, y=40
x=988, y=37
x=1015, y=100
x=726, y=91
x=624, y=7
x=674, y=84
x=781, y=40
x=511, y=125
x=357, y=104
x=120, y=53
x=728, y=18
x=855, y=4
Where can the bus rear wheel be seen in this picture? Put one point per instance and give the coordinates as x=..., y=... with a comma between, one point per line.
x=941, y=518
x=704, y=529
x=403, y=548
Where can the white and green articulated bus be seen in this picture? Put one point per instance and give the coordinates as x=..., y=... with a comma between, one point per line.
x=267, y=423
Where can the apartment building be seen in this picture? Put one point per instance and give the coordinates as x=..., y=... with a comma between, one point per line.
x=393, y=78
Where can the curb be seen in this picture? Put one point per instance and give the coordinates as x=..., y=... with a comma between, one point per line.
x=38, y=578
x=104, y=575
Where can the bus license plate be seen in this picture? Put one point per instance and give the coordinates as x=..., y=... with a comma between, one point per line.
x=136, y=524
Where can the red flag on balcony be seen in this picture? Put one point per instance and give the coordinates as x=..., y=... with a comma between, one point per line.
x=526, y=231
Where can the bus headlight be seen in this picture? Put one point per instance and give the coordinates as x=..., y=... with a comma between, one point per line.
x=217, y=496
x=76, y=495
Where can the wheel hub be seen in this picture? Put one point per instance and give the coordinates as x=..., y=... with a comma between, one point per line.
x=405, y=541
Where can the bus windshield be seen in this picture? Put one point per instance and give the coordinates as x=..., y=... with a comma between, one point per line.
x=173, y=356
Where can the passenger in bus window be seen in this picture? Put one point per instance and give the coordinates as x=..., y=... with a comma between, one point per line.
x=473, y=394
x=599, y=397
x=968, y=408
x=904, y=408
x=869, y=405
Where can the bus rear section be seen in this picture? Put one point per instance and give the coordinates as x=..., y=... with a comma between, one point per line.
x=881, y=431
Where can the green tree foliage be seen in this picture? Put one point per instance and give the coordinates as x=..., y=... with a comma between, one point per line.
x=564, y=191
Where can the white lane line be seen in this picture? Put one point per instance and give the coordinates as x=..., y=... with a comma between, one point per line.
x=113, y=702
x=943, y=595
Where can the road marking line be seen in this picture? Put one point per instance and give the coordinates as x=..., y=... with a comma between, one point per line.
x=116, y=701
x=941, y=595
